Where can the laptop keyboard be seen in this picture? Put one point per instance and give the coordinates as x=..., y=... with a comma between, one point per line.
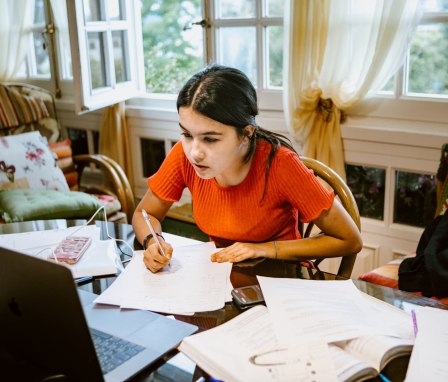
x=113, y=351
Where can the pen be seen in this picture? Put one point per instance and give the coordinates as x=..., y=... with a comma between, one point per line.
x=383, y=377
x=153, y=232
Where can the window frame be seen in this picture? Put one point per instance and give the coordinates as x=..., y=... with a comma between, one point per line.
x=86, y=99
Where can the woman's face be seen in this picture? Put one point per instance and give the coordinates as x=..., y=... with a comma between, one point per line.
x=214, y=150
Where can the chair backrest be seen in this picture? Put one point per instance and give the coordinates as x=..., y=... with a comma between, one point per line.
x=26, y=108
x=344, y=194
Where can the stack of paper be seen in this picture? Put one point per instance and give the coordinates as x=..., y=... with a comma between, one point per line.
x=192, y=283
x=305, y=322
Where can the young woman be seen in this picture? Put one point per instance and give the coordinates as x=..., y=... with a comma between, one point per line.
x=248, y=185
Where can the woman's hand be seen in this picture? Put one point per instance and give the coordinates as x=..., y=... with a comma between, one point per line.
x=243, y=251
x=154, y=259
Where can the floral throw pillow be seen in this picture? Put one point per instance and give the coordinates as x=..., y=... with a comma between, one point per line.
x=26, y=162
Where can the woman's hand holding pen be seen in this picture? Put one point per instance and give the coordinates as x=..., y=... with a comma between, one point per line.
x=242, y=251
x=153, y=257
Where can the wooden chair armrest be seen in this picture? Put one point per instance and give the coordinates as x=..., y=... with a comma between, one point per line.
x=114, y=175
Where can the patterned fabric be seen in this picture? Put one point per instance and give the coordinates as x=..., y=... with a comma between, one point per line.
x=17, y=109
x=26, y=162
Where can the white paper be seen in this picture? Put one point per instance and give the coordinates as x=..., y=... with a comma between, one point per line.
x=246, y=349
x=429, y=359
x=334, y=310
x=99, y=259
x=192, y=284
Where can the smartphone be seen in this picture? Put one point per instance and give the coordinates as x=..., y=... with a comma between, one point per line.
x=246, y=297
x=71, y=249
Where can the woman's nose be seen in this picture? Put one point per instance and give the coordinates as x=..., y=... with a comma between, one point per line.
x=196, y=151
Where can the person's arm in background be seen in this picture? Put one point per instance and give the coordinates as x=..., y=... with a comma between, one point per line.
x=156, y=209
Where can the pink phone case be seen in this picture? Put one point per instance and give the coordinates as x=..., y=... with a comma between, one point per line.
x=71, y=249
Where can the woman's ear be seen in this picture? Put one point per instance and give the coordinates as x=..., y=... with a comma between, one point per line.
x=248, y=131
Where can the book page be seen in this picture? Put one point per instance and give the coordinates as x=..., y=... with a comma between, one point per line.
x=429, y=359
x=334, y=310
x=349, y=368
x=246, y=349
x=378, y=350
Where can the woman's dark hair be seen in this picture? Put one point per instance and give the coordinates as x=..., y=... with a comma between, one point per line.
x=226, y=95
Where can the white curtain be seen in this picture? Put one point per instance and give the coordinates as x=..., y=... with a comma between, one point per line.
x=16, y=18
x=338, y=52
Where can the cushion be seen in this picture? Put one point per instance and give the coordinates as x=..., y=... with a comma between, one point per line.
x=386, y=275
x=26, y=162
x=63, y=152
x=17, y=109
x=24, y=205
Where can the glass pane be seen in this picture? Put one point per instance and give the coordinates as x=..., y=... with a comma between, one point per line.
x=153, y=154
x=92, y=10
x=415, y=198
x=367, y=185
x=172, y=46
x=435, y=5
x=238, y=48
x=274, y=8
x=232, y=9
x=115, y=9
x=39, y=12
x=41, y=53
x=428, y=60
x=275, y=56
x=120, y=56
x=97, y=60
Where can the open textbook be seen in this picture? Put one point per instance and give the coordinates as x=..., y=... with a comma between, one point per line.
x=363, y=334
x=246, y=349
x=227, y=351
x=364, y=357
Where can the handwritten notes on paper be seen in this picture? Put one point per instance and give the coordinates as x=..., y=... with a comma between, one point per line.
x=192, y=284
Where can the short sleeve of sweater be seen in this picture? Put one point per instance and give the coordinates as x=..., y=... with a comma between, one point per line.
x=298, y=184
x=168, y=182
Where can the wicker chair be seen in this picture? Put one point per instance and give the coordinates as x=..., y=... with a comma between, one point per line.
x=26, y=108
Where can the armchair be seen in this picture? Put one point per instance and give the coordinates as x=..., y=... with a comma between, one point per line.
x=26, y=108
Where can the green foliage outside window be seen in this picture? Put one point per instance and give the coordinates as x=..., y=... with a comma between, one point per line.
x=169, y=58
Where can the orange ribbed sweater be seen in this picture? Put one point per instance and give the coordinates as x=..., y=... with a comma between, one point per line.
x=229, y=214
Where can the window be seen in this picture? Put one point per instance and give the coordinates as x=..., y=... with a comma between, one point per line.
x=426, y=70
x=106, y=48
x=180, y=37
x=38, y=60
x=248, y=35
x=424, y=73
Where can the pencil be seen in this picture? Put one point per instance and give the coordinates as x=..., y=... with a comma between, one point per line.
x=153, y=232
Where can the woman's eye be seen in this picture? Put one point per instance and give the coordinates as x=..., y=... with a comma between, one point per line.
x=186, y=135
x=210, y=140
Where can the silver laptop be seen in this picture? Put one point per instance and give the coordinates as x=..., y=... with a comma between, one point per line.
x=51, y=331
